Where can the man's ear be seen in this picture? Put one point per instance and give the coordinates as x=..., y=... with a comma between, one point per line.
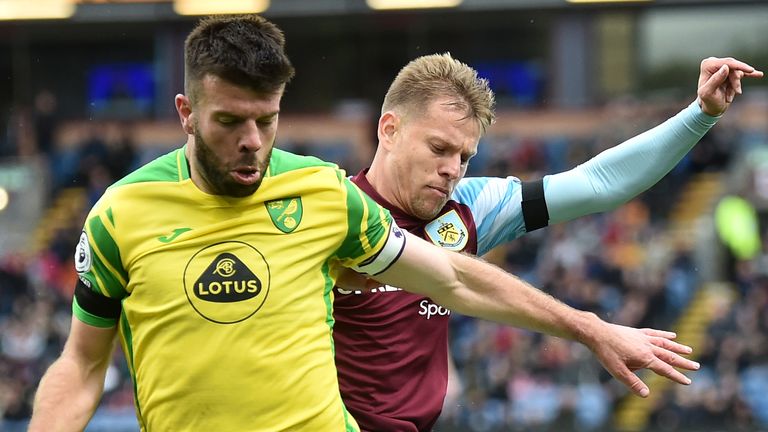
x=184, y=108
x=389, y=127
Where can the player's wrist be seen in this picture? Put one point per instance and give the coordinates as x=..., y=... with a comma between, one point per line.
x=708, y=110
x=585, y=328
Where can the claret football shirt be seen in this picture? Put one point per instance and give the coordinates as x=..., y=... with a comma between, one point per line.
x=391, y=345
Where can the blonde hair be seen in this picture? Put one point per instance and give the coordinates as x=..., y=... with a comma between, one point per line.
x=439, y=75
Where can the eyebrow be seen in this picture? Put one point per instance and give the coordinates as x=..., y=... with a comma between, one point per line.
x=434, y=139
x=230, y=113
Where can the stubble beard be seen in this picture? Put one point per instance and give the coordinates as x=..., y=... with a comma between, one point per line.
x=426, y=210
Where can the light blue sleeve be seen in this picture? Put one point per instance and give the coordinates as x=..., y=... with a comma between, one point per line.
x=495, y=206
x=620, y=173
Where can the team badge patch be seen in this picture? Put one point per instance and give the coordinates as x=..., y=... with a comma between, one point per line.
x=83, y=254
x=285, y=213
x=448, y=231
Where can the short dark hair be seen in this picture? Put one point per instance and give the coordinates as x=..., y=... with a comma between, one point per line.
x=246, y=50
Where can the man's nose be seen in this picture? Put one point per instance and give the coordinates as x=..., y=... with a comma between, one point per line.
x=250, y=141
x=451, y=167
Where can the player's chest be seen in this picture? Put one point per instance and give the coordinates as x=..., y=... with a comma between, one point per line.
x=233, y=255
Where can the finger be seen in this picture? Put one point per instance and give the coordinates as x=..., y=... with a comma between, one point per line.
x=730, y=94
x=673, y=346
x=731, y=62
x=659, y=333
x=715, y=81
x=735, y=80
x=675, y=360
x=664, y=369
x=712, y=65
x=632, y=381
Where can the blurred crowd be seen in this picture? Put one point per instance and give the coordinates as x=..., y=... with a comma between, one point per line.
x=615, y=264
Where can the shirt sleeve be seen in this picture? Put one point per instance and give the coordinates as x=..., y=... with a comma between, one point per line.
x=373, y=241
x=99, y=267
x=620, y=173
x=603, y=183
x=495, y=204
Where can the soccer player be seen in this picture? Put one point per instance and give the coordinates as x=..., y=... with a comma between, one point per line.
x=391, y=348
x=216, y=264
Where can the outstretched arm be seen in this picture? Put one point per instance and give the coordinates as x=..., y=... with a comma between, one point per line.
x=70, y=390
x=472, y=287
x=620, y=173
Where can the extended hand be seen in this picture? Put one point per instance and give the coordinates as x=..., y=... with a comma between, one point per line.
x=623, y=350
x=720, y=82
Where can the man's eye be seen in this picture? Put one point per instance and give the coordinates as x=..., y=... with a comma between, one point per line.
x=227, y=120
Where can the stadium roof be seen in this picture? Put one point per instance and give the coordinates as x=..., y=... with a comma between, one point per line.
x=150, y=10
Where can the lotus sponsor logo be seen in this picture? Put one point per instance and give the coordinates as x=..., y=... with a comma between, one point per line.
x=227, y=282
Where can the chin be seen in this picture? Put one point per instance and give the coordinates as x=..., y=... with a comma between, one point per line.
x=239, y=191
x=425, y=214
x=427, y=209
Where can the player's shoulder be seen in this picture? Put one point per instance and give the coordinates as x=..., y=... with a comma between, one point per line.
x=469, y=181
x=282, y=162
x=170, y=167
x=470, y=189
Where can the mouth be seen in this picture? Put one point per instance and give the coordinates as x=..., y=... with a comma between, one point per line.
x=443, y=192
x=246, y=175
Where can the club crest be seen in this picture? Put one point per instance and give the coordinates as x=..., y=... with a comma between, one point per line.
x=448, y=231
x=285, y=213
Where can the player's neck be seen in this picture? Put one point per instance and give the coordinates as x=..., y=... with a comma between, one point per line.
x=383, y=182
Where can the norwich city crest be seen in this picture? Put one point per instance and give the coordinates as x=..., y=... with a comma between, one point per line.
x=285, y=213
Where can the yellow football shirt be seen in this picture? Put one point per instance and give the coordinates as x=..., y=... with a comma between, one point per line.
x=226, y=302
